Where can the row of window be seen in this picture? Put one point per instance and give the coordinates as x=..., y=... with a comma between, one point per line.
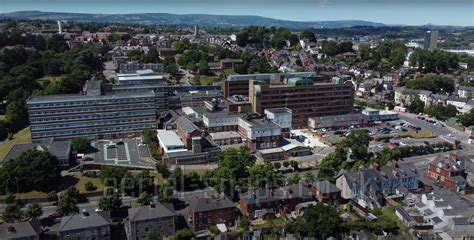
x=91, y=116
x=92, y=102
x=92, y=109
x=91, y=131
x=90, y=123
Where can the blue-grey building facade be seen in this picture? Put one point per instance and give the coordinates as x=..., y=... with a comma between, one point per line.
x=91, y=114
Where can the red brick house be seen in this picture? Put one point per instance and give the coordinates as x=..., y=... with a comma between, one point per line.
x=187, y=130
x=448, y=171
x=256, y=200
x=206, y=212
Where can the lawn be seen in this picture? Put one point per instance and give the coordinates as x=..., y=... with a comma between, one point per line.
x=2, y=117
x=29, y=195
x=389, y=212
x=80, y=185
x=423, y=133
x=208, y=80
x=22, y=137
x=272, y=222
x=229, y=71
x=51, y=79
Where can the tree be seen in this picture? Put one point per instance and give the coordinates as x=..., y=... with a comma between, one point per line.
x=11, y=213
x=277, y=165
x=330, y=48
x=33, y=210
x=68, y=202
x=416, y=106
x=232, y=166
x=263, y=175
x=385, y=156
x=309, y=177
x=203, y=67
x=32, y=170
x=112, y=175
x=110, y=201
x=244, y=223
x=184, y=234
x=149, y=136
x=467, y=119
x=294, y=165
x=435, y=83
x=9, y=198
x=80, y=144
x=89, y=186
x=56, y=43
x=172, y=69
x=214, y=230
x=163, y=169
x=294, y=178
x=441, y=112
x=145, y=199
x=308, y=34
x=286, y=164
x=319, y=221
x=345, y=47
x=166, y=193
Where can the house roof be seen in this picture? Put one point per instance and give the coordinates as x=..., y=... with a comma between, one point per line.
x=326, y=187
x=152, y=211
x=83, y=220
x=186, y=124
x=207, y=204
x=258, y=196
x=57, y=148
x=19, y=230
x=293, y=191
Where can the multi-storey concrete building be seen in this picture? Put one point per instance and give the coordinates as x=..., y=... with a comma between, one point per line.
x=91, y=114
x=304, y=97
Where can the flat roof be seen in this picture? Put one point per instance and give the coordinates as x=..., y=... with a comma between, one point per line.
x=278, y=110
x=80, y=97
x=137, y=78
x=224, y=135
x=169, y=138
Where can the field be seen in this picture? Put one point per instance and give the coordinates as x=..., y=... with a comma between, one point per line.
x=208, y=80
x=81, y=182
x=22, y=137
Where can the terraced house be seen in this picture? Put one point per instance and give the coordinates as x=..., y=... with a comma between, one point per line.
x=91, y=114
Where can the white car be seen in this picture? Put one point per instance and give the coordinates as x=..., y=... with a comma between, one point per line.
x=380, y=146
x=402, y=144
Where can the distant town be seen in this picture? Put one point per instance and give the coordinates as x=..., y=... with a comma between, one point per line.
x=140, y=131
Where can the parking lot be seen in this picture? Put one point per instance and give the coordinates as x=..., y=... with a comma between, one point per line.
x=125, y=152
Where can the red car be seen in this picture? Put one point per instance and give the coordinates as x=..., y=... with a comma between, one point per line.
x=55, y=215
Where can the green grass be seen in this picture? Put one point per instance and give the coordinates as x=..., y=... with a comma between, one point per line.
x=389, y=212
x=49, y=78
x=272, y=222
x=29, y=195
x=2, y=117
x=229, y=71
x=423, y=133
x=22, y=137
x=80, y=185
x=208, y=80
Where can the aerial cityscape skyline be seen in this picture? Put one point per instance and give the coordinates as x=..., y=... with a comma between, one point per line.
x=419, y=12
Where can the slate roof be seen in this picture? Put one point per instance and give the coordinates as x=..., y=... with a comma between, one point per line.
x=258, y=196
x=293, y=191
x=20, y=229
x=186, y=124
x=153, y=211
x=326, y=187
x=79, y=222
x=60, y=149
x=207, y=204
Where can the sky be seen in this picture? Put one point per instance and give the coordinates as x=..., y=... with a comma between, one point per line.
x=408, y=12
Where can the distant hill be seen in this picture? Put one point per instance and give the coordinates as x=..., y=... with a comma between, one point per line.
x=204, y=20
